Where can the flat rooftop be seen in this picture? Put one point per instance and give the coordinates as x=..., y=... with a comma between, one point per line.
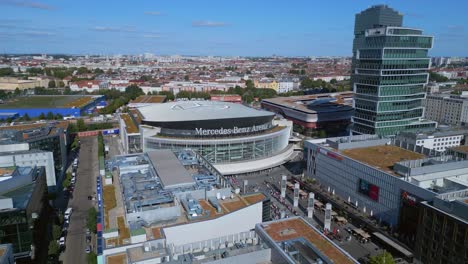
x=48, y=101
x=169, y=168
x=117, y=259
x=198, y=110
x=21, y=196
x=463, y=149
x=296, y=228
x=129, y=124
x=21, y=127
x=382, y=157
x=149, y=99
x=315, y=103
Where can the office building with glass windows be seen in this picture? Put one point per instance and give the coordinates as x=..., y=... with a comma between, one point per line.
x=235, y=138
x=389, y=74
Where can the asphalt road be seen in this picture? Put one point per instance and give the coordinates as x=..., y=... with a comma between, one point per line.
x=87, y=172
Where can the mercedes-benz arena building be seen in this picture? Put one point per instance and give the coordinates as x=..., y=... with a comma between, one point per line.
x=234, y=138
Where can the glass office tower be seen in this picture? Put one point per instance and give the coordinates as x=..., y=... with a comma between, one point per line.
x=389, y=74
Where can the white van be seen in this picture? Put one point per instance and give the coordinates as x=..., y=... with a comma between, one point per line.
x=68, y=213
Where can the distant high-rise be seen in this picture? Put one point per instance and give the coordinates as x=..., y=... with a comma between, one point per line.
x=389, y=73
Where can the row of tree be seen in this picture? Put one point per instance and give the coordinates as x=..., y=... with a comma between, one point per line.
x=118, y=99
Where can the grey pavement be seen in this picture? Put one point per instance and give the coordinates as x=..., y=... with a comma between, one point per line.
x=85, y=185
x=114, y=150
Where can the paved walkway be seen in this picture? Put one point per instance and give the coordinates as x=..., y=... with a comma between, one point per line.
x=113, y=143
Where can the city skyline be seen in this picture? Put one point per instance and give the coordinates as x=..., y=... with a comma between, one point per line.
x=257, y=28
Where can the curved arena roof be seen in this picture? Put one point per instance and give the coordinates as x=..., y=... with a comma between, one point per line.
x=182, y=111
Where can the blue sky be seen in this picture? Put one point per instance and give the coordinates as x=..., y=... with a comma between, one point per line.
x=221, y=27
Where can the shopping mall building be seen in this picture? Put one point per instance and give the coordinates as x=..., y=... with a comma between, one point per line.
x=235, y=138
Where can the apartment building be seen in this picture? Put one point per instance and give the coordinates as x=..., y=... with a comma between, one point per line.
x=447, y=109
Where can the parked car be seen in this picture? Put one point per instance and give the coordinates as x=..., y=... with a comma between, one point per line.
x=88, y=249
x=62, y=241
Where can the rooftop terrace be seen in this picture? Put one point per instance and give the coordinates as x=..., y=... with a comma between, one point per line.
x=382, y=157
x=296, y=228
x=129, y=124
x=149, y=99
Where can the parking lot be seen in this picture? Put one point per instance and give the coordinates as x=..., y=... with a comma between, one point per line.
x=85, y=185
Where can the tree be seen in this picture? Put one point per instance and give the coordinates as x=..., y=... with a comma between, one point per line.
x=249, y=84
x=50, y=116
x=6, y=71
x=72, y=128
x=333, y=81
x=82, y=70
x=67, y=91
x=17, y=91
x=169, y=95
x=247, y=98
x=187, y=78
x=56, y=232
x=60, y=218
x=435, y=77
x=91, y=221
x=52, y=84
x=322, y=134
x=42, y=116
x=58, y=116
x=92, y=258
x=26, y=117
x=383, y=258
x=61, y=84
x=53, y=248
x=133, y=91
x=80, y=124
x=270, y=75
x=75, y=143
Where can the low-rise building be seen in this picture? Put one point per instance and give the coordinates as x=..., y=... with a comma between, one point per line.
x=51, y=136
x=382, y=180
x=266, y=83
x=22, y=201
x=130, y=136
x=443, y=229
x=333, y=77
x=285, y=86
x=230, y=98
x=176, y=205
x=11, y=83
x=85, y=85
x=293, y=240
x=330, y=112
x=177, y=86
x=437, y=140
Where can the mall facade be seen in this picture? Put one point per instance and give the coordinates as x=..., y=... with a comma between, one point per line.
x=235, y=138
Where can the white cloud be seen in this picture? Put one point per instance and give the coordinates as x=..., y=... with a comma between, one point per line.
x=28, y=4
x=151, y=36
x=113, y=29
x=202, y=23
x=153, y=13
x=39, y=33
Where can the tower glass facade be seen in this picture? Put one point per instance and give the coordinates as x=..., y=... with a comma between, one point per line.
x=389, y=73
